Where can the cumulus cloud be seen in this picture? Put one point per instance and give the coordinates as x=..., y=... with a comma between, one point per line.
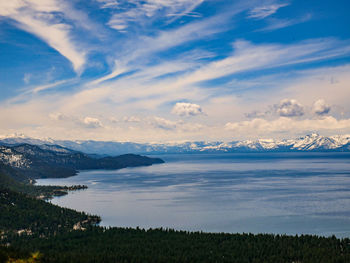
x=186, y=109
x=289, y=108
x=90, y=122
x=320, y=107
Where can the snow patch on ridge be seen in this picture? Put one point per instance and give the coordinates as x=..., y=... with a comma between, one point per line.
x=311, y=142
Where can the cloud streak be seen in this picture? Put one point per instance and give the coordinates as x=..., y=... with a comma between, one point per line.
x=42, y=18
x=143, y=12
x=274, y=23
x=264, y=11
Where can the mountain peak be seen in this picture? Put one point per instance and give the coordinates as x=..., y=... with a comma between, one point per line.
x=313, y=135
x=310, y=142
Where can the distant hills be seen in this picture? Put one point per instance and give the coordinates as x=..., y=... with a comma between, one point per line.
x=28, y=161
x=312, y=142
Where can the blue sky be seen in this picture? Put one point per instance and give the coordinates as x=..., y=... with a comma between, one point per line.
x=174, y=70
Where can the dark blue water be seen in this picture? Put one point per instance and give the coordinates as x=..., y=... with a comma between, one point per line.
x=286, y=193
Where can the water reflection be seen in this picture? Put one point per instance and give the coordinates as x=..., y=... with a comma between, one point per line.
x=221, y=193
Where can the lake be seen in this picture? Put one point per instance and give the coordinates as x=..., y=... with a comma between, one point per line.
x=285, y=193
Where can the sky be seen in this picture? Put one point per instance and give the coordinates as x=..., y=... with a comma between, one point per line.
x=174, y=70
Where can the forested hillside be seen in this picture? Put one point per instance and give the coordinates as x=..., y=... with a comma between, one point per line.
x=15, y=180
x=49, y=161
x=24, y=217
x=55, y=234
x=97, y=244
x=22, y=214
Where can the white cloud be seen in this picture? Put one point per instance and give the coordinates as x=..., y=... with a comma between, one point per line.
x=87, y=122
x=248, y=57
x=90, y=122
x=274, y=23
x=191, y=127
x=41, y=88
x=331, y=83
x=43, y=19
x=186, y=109
x=256, y=114
x=289, y=108
x=162, y=123
x=320, y=107
x=109, y=3
x=57, y=116
x=146, y=46
x=176, y=126
x=117, y=71
x=147, y=95
x=27, y=77
x=265, y=10
x=131, y=119
x=146, y=81
x=260, y=127
x=142, y=12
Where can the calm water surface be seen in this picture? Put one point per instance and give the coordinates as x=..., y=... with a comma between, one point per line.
x=259, y=193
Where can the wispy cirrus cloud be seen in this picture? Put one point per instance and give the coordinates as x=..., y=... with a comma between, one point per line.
x=266, y=10
x=276, y=23
x=44, y=19
x=109, y=3
x=163, y=40
x=141, y=50
x=40, y=88
x=144, y=12
x=246, y=57
x=27, y=77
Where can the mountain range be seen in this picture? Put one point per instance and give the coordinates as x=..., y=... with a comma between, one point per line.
x=312, y=142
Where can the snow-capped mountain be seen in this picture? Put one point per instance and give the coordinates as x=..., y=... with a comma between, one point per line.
x=18, y=138
x=13, y=158
x=311, y=142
